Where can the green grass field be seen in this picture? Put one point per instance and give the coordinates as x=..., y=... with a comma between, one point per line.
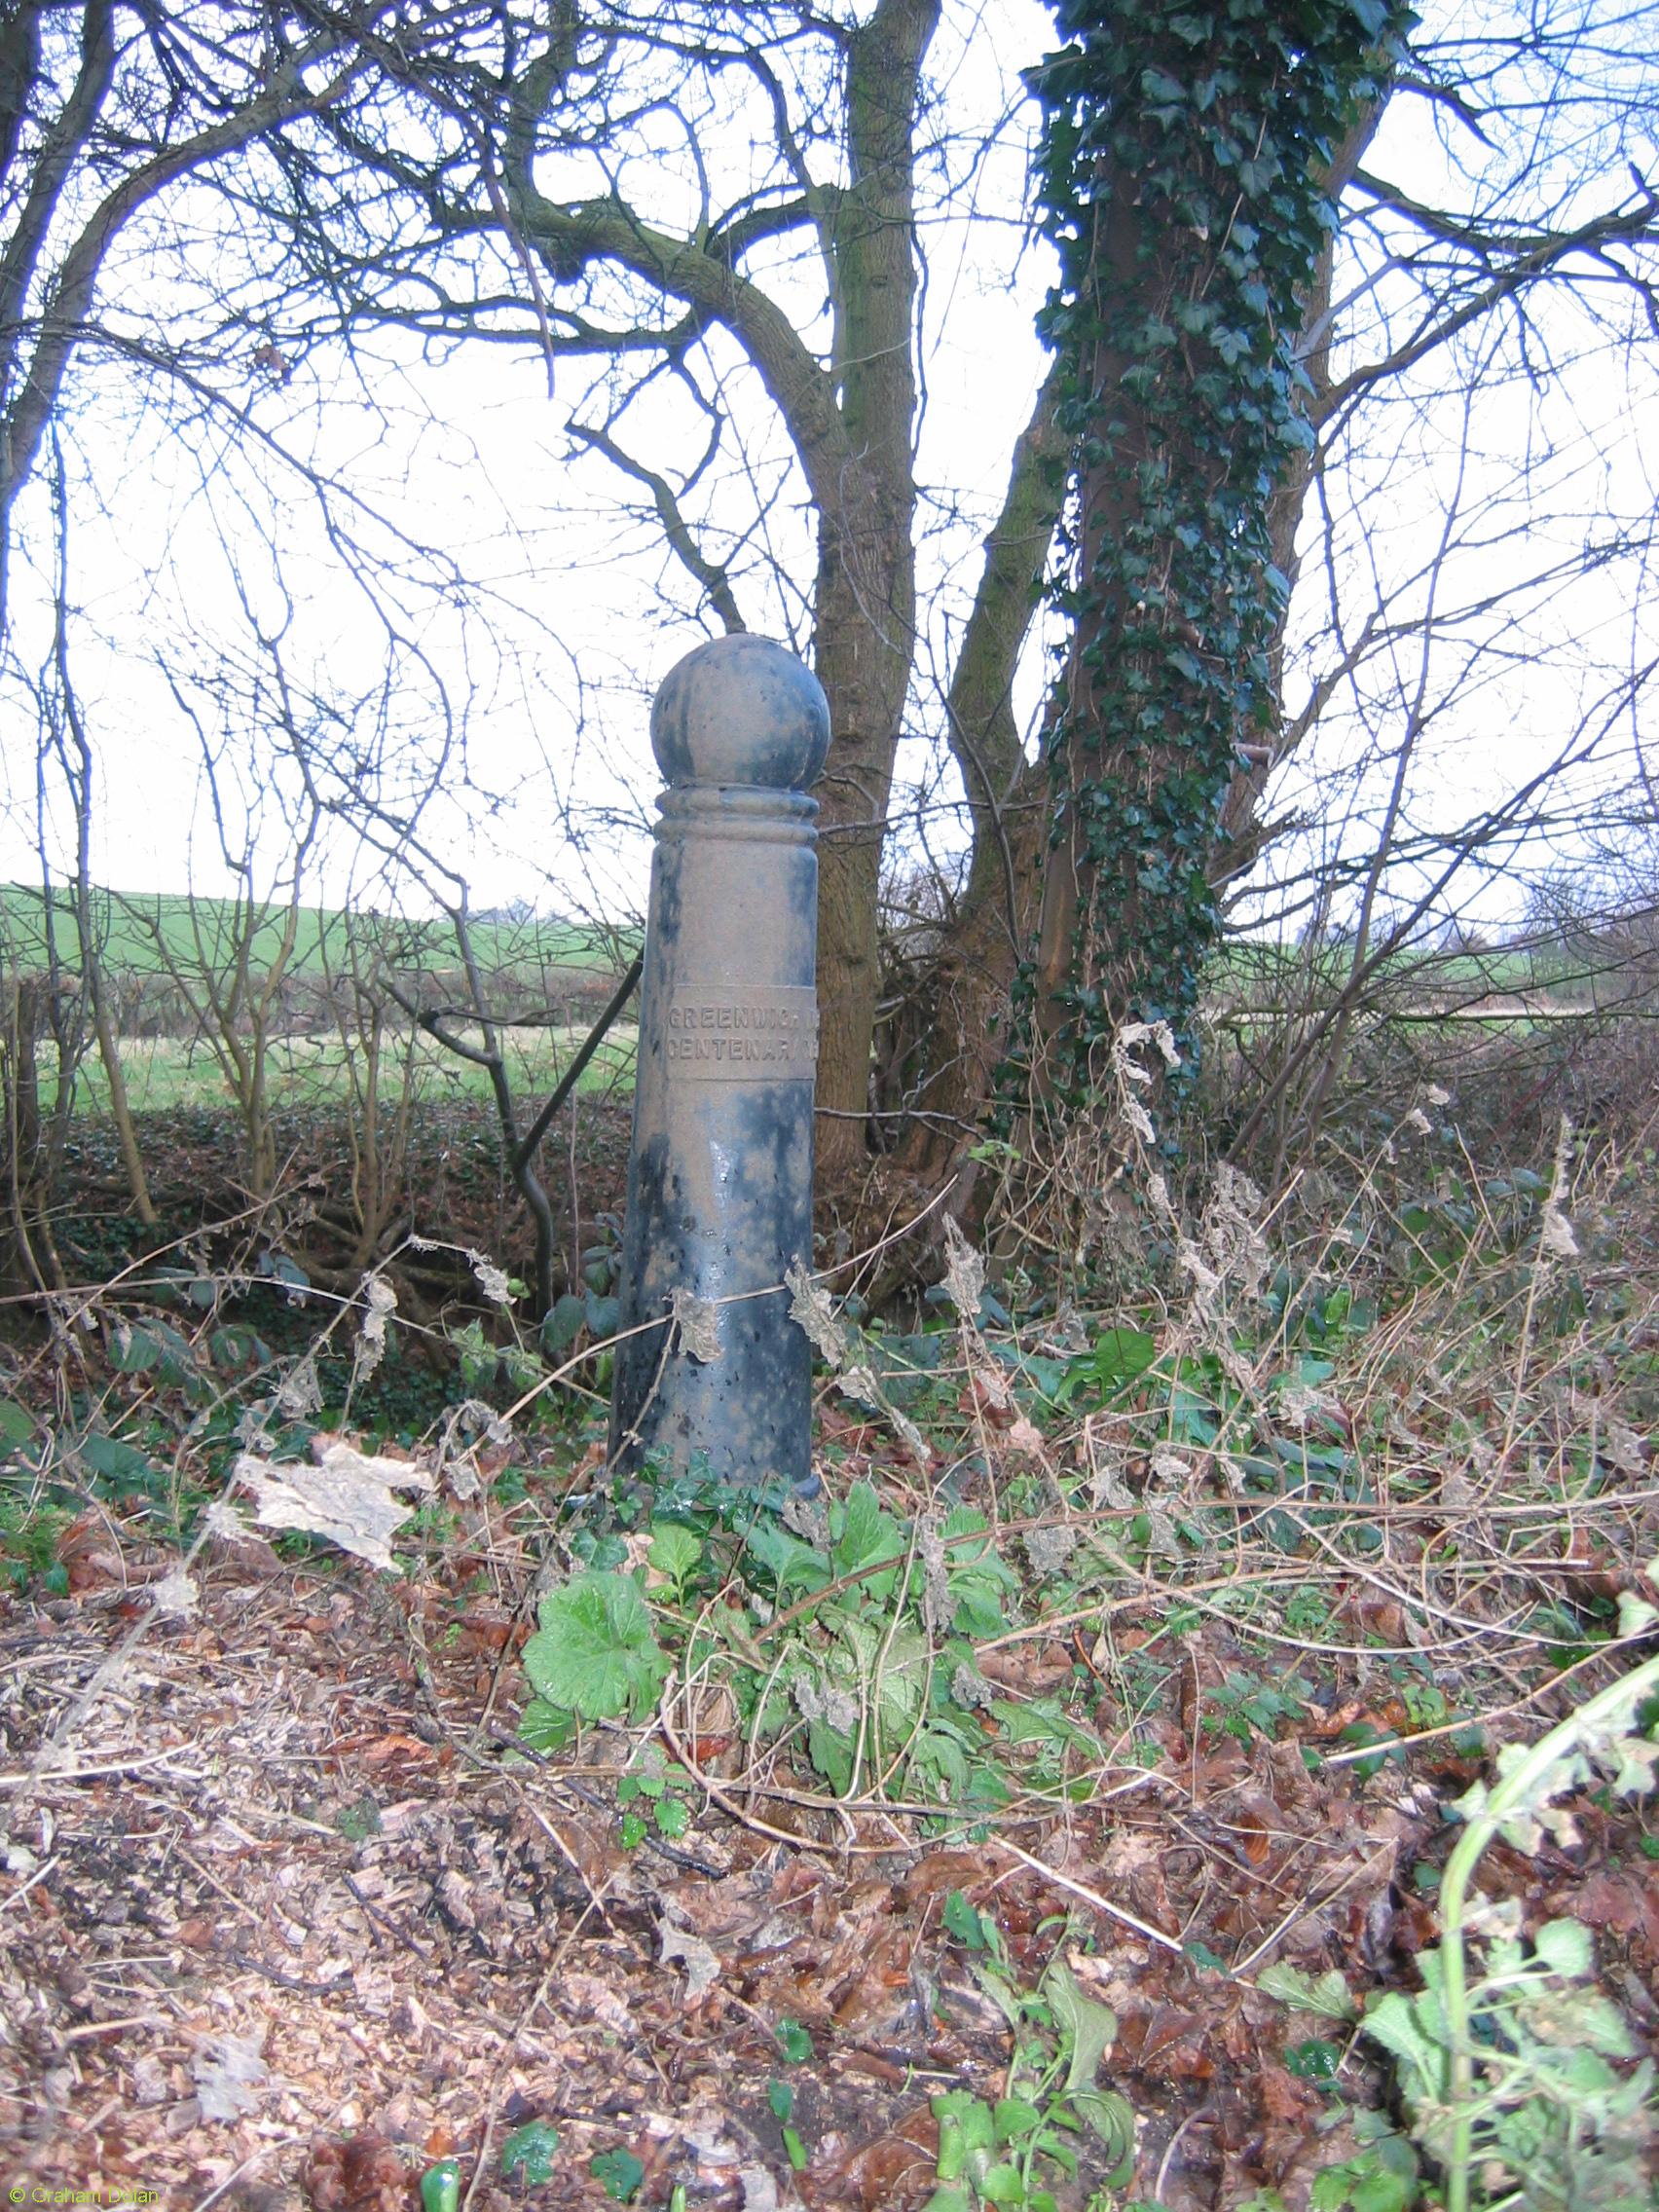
x=148, y=932
x=163, y=1074
x=148, y=940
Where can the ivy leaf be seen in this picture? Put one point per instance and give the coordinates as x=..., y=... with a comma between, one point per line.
x=595, y=1651
x=617, y=2172
x=531, y=2148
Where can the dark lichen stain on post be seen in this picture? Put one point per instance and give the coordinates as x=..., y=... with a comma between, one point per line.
x=719, y=1185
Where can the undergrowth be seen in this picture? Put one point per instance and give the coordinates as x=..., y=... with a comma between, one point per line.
x=1356, y=1479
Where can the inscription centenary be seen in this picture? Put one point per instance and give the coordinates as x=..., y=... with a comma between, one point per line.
x=738, y=1035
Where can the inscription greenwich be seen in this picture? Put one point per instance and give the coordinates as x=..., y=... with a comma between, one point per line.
x=760, y=1032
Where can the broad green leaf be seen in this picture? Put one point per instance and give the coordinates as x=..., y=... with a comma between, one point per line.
x=546, y=1727
x=1392, y=2022
x=963, y=1921
x=17, y=1424
x=441, y=2187
x=1564, y=1946
x=895, y=1663
x=1375, y=2188
x=1113, y=2118
x=1328, y=1996
x=133, y=1350
x=564, y=1323
x=117, y=1461
x=1597, y=2024
x=793, y=2042
x=674, y=1550
x=1040, y=1721
x=1120, y=1355
x=595, y=1651
x=671, y=1816
x=789, y=1562
x=869, y=1535
x=1013, y=2117
x=1088, y=2030
x=237, y=1344
x=1001, y=1993
x=966, y=2133
x=1314, y=2060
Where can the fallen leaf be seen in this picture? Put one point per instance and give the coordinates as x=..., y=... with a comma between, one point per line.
x=702, y=1965
x=347, y=1499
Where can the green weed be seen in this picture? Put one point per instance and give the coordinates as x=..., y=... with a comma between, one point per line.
x=1000, y=2150
x=1511, y=2072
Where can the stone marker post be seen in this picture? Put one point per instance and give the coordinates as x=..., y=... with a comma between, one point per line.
x=720, y=1182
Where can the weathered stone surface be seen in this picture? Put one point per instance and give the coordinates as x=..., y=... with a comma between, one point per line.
x=719, y=1185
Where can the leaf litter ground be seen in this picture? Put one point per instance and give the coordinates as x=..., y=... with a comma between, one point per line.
x=285, y=1919
x=281, y=1925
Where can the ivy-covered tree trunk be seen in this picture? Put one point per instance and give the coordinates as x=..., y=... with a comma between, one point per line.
x=1187, y=165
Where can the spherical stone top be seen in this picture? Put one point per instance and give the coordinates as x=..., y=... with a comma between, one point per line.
x=741, y=709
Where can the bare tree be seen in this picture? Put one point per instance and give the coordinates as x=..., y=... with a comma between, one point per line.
x=713, y=211
x=104, y=112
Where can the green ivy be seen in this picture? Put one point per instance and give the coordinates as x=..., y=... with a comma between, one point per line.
x=1207, y=132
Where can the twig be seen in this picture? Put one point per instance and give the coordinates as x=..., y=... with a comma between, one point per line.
x=1093, y=1897
x=567, y=1082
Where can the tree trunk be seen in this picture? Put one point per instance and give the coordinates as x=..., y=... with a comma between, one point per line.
x=959, y=1030
x=864, y=617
